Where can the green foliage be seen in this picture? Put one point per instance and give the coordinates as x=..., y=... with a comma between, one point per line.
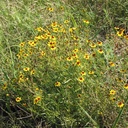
x=63, y=64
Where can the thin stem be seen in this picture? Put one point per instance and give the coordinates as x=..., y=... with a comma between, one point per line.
x=93, y=121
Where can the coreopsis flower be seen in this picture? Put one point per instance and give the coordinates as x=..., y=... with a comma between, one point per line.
x=83, y=73
x=86, y=21
x=32, y=72
x=78, y=63
x=91, y=72
x=112, y=92
x=66, y=21
x=61, y=8
x=52, y=38
x=54, y=24
x=100, y=51
x=99, y=43
x=37, y=99
x=50, y=9
x=92, y=45
x=75, y=50
x=120, y=104
x=53, y=47
x=86, y=56
x=4, y=86
x=55, y=30
x=126, y=86
x=42, y=53
x=69, y=58
x=74, y=56
x=32, y=43
x=111, y=64
x=22, y=44
x=26, y=69
x=57, y=84
x=120, y=32
x=80, y=79
x=39, y=29
x=113, y=99
x=51, y=43
x=18, y=99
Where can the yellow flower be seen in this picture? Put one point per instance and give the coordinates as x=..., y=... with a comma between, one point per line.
x=69, y=59
x=83, y=73
x=50, y=9
x=45, y=36
x=120, y=104
x=99, y=43
x=54, y=24
x=126, y=37
x=42, y=53
x=37, y=89
x=91, y=72
x=57, y=84
x=72, y=29
x=53, y=47
x=38, y=38
x=111, y=64
x=7, y=94
x=22, y=44
x=93, y=54
x=62, y=8
x=37, y=99
x=18, y=55
x=78, y=63
x=122, y=71
x=39, y=29
x=92, y=45
x=66, y=21
x=21, y=76
x=119, y=80
x=32, y=43
x=4, y=86
x=113, y=99
x=75, y=38
x=21, y=80
x=51, y=43
x=26, y=69
x=25, y=55
x=86, y=56
x=86, y=21
x=100, y=51
x=88, y=41
x=74, y=56
x=75, y=50
x=80, y=79
x=18, y=99
x=112, y=92
x=55, y=29
x=53, y=38
x=126, y=86
x=32, y=72
x=120, y=32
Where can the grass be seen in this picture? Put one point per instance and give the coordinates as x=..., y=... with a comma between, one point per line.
x=63, y=64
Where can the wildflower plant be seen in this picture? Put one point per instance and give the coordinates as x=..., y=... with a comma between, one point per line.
x=65, y=77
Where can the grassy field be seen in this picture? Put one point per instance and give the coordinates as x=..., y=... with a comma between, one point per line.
x=63, y=64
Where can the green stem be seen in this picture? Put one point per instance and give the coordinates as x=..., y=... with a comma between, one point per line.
x=93, y=121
